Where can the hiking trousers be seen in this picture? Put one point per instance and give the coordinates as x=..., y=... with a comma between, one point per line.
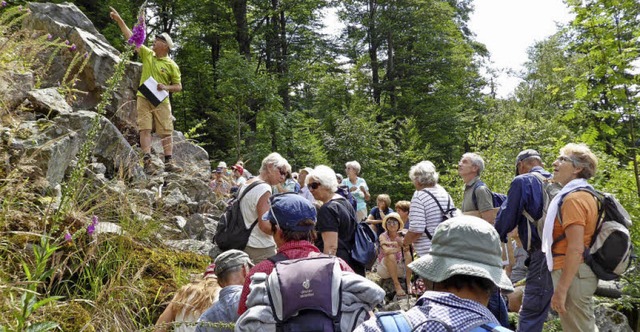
x=537, y=294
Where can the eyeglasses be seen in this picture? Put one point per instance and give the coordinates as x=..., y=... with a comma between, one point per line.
x=314, y=185
x=564, y=159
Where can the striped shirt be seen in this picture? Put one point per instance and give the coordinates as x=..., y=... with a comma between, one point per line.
x=424, y=212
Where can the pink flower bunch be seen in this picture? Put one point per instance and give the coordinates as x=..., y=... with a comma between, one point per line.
x=92, y=227
x=139, y=33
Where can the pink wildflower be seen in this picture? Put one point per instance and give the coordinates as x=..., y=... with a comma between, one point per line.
x=49, y=37
x=66, y=42
x=92, y=227
x=139, y=33
x=4, y=3
x=72, y=47
x=67, y=237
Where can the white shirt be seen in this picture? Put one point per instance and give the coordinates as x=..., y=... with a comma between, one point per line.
x=424, y=212
x=249, y=208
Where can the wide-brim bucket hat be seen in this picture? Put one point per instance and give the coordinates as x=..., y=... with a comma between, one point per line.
x=464, y=245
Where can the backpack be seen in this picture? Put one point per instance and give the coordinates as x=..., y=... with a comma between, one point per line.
x=549, y=191
x=610, y=253
x=396, y=321
x=365, y=246
x=343, y=191
x=305, y=294
x=231, y=232
x=449, y=213
x=497, y=198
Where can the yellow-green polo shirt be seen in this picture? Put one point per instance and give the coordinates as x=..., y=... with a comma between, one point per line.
x=164, y=70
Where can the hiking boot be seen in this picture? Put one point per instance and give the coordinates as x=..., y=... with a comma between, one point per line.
x=172, y=168
x=149, y=167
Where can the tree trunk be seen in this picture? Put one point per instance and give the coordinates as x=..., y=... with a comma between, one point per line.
x=373, y=51
x=239, y=8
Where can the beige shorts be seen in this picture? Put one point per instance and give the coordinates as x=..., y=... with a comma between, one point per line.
x=150, y=117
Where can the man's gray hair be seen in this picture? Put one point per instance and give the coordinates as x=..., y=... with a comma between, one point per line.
x=325, y=176
x=424, y=173
x=274, y=159
x=353, y=164
x=476, y=160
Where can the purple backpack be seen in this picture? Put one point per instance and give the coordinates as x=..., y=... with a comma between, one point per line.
x=305, y=294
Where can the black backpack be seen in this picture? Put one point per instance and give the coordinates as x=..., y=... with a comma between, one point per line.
x=610, y=253
x=449, y=213
x=231, y=232
x=343, y=190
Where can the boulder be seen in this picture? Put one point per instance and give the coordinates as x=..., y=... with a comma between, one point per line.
x=194, y=159
x=199, y=247
x=49, y=102
x=611, y=320
x=14, y=87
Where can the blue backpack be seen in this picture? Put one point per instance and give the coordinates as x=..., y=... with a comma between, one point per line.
x=497, y=198
x=395, y=321
x=365, y=247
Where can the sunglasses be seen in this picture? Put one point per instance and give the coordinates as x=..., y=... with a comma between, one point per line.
x=392, y=222
x=314, y=185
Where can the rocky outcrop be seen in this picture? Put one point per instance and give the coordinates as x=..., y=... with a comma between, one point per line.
x=66, y=22
x=48, y=128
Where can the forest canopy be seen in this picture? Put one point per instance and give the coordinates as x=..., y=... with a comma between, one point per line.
x=400, y=83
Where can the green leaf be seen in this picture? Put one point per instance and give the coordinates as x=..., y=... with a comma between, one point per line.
x=581, y=91
x=42, y=327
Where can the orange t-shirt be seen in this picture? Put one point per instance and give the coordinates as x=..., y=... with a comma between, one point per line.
x=578, y=208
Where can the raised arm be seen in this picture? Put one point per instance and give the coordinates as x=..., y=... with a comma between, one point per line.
x=126, y=32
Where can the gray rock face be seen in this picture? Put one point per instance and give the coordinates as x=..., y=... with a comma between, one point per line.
x=610, y=320
x=14, y=87
x=194, y=159
x=199, y=247
x=49, y=102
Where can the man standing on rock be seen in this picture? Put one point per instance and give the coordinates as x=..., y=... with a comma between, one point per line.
x=155, y=64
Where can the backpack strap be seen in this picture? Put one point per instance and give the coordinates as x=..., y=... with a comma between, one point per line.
x=476, y=185
x=396, y=321
x=393, y=321
x=489, y=327
x=251, y=186
x=426, y=231
x=526, y=214
x=599, y=220
x=279, y=257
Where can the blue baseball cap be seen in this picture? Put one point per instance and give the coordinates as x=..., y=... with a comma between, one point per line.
x=288, y=210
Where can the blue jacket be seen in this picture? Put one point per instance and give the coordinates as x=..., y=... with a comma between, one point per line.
x=525, y=193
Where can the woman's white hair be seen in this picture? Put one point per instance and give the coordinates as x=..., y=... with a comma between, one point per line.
x=325, y=176
x=353, y=164
x=424, y=173
x=274, y=160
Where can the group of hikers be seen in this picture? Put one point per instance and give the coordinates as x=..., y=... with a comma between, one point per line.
x=455, y=259
x=297, y=271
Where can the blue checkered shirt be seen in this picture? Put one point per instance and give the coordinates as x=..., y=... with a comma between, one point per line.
x=434, y=310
